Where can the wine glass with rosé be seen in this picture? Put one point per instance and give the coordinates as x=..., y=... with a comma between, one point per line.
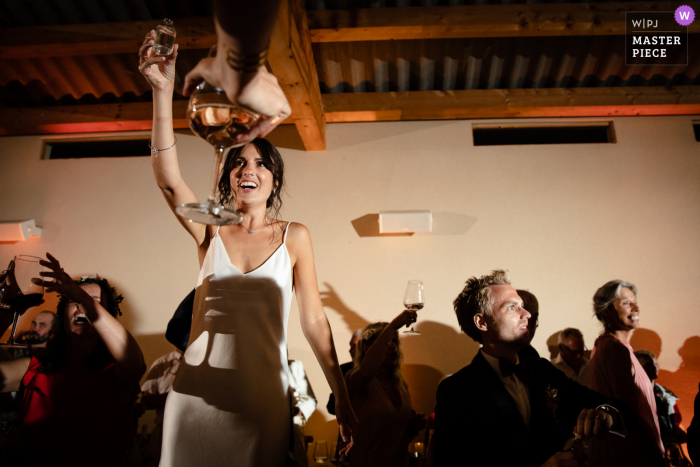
x=215, y=119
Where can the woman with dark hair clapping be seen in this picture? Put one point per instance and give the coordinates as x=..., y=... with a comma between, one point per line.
x=616, y=372
x=77, y=397
x=380, y=398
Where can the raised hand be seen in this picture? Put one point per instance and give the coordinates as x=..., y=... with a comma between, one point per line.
x=259, y=92
x=159, y=70
x=405, y=318
x=62, y=282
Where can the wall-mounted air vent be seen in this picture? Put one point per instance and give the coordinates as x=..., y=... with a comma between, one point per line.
x=543, y=133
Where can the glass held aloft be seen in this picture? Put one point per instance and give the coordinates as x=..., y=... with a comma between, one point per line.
x=165, y=38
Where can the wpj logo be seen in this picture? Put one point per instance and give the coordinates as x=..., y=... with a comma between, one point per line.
x=658, y=37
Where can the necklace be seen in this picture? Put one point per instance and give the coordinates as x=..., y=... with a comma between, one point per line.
x=265, y=224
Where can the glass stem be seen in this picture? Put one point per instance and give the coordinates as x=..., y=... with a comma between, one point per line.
x=218, y=153
x=14, y=327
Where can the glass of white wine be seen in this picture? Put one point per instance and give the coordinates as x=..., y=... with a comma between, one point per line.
x=414, y=300
x=320, y=452
x=215, y=119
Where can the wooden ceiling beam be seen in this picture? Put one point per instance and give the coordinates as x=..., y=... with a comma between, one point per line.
x=98, y=38
x=291, y=60
x=471, y=21
x=384, y=106
x=512, y=103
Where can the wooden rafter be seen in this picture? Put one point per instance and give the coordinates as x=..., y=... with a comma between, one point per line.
x=461, y=21
x=99, y=38
x=388, y=106
x=471, y=21
x=291, y=60
x=512, y=103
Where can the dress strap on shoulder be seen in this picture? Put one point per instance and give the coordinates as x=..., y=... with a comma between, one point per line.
x=286, y=229
x=217, y=230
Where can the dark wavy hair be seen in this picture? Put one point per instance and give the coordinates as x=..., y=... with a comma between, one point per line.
x=274, y=163
x=54, y=359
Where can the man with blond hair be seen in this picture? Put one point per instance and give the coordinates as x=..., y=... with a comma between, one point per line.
x=502, y=410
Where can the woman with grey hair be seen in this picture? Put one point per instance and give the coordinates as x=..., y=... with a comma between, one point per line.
x=616, y=372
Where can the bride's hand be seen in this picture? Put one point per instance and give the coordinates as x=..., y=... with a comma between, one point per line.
x=347, y=421
x=159, y=70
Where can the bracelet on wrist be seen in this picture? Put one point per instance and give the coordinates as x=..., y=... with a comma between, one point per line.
x=155, y=151
x=245, y=63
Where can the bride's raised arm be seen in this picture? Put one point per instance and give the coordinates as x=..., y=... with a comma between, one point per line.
x=159, y=71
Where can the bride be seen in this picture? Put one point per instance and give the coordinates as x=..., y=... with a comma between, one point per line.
x=230, y=401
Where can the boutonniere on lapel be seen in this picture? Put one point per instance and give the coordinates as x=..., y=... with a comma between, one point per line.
x=552, y=398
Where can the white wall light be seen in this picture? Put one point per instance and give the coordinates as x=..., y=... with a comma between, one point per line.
x=18, y=231
x=405, y=221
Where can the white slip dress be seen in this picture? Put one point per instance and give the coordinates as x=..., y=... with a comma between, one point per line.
x=229, y=404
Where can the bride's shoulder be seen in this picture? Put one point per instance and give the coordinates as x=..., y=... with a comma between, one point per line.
x=295, y=231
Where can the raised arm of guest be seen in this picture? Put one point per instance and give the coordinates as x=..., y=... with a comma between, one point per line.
x=85, y=303
x=373, y=358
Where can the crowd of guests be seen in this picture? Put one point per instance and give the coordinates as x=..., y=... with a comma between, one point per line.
x=81, y=372
x=76, y=386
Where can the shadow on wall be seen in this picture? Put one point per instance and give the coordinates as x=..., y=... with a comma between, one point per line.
x=684, y=381
x=331, y=299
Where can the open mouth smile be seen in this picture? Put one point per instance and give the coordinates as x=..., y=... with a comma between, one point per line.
x=247, y=185
x=80, y=319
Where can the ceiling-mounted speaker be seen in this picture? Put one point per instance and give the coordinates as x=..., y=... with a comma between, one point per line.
x=18, y=231
x=405, y=221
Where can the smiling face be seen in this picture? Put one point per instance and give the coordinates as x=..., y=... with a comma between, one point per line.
x=251, y=180
x=75, y=321
x=508, y=323
x=625, y=316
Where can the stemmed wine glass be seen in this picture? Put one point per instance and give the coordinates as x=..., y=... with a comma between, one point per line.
x=335, y=458
x=321, y=452
x=218, y=121
x=413, y=299
x=20, y=292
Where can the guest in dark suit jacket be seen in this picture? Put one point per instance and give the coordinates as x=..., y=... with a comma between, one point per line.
x=505, y=411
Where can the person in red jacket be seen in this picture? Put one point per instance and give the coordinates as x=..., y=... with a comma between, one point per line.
x=78, y=396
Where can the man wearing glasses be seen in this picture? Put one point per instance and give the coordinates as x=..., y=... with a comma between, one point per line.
x=571, y=358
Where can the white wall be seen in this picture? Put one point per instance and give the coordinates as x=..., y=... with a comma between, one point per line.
x=563, y=219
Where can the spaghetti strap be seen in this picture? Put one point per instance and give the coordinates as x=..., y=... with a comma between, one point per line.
x=217, y=230
x=286, y=229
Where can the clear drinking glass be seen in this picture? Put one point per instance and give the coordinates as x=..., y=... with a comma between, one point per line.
x=19, y=292
x=165, y=38
x=413, y=299
x=321, y=452
x=215, y=119
x=335, y=458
